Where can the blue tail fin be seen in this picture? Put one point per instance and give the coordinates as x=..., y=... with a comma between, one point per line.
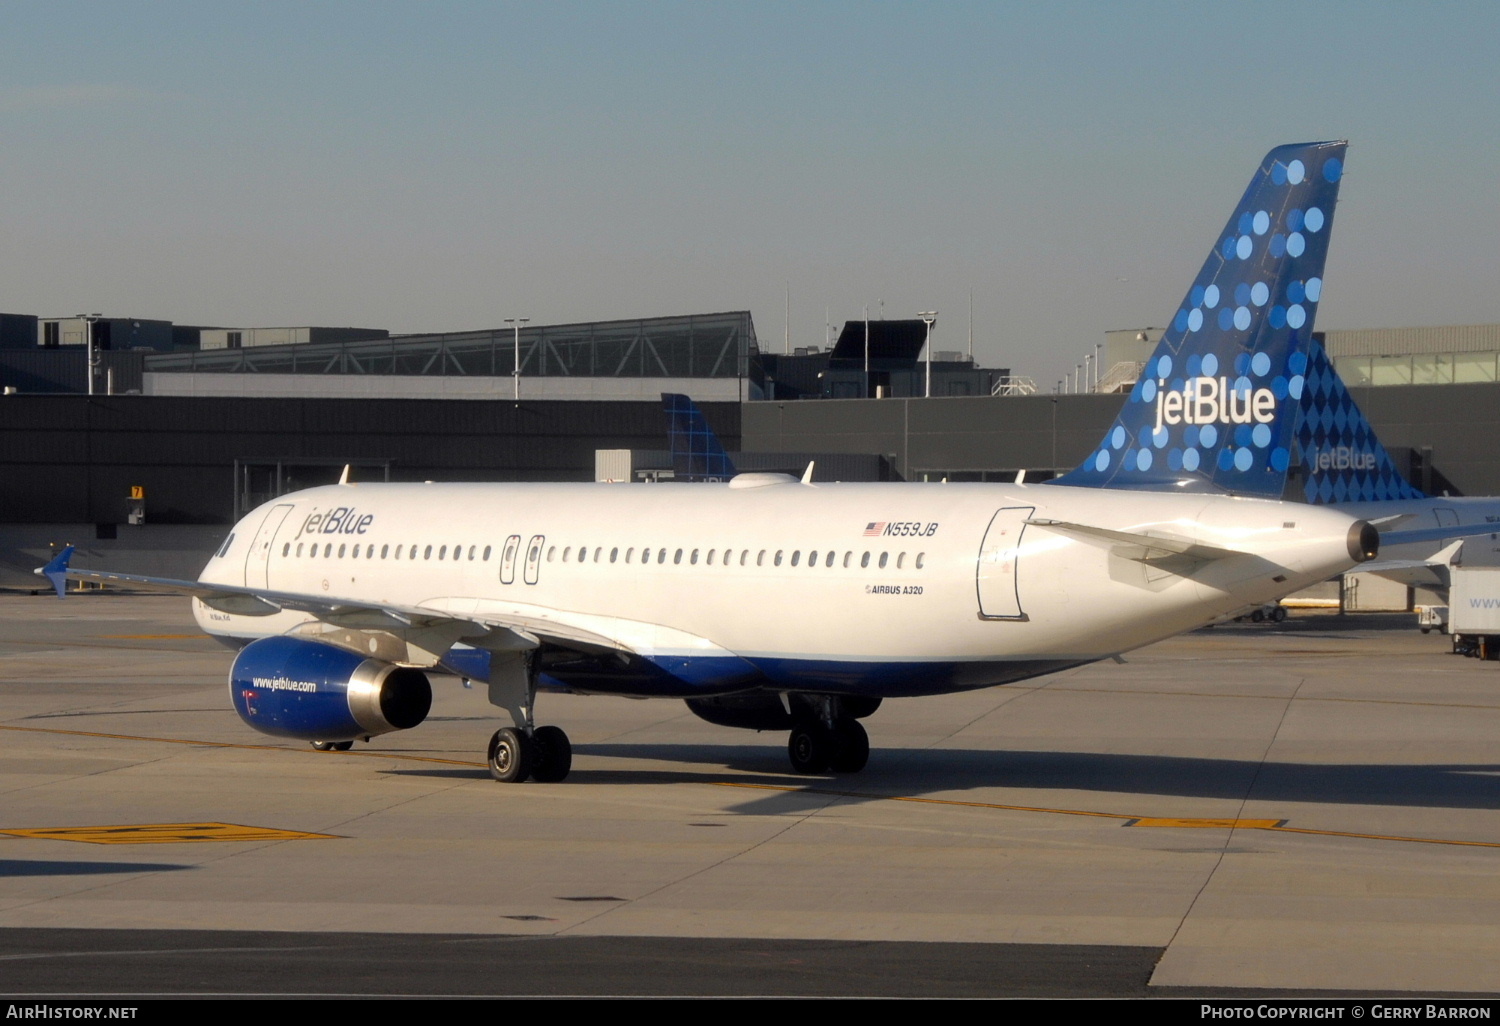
x=1342, y=459
x=1214, y=408
x=56, y=570
x=696, y=452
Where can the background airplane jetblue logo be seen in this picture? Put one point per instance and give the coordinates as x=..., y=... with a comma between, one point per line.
x=1211, y=402
x=1345, y=462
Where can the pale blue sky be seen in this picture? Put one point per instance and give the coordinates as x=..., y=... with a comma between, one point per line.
x=441, y=166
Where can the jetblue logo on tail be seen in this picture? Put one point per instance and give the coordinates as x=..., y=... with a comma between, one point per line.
x=1342, y=458
x=1215, y=404
x=1213, y=401
x=1345, y=462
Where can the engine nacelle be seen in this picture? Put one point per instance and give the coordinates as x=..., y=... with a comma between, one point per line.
x=293, y=687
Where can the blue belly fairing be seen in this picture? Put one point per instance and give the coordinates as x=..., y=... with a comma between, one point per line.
x=696, y=677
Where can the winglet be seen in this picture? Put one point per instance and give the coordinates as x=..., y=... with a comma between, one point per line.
x=807, y=474
x=56, y=570
x=344, y=477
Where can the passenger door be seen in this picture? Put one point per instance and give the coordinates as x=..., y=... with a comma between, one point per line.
x=258, y=559
x=508, y=559
x=998, y=577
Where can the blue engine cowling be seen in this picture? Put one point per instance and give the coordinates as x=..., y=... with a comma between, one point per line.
x=293, y=687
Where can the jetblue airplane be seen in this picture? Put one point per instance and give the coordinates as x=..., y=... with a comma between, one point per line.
x=1347, y=468
x=697, y=454
x=770, y=603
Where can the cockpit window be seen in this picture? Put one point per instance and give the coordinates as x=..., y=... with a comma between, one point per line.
x=225, y=547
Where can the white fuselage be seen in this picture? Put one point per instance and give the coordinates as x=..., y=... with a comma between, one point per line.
x=803, y=581
x=1436, y=512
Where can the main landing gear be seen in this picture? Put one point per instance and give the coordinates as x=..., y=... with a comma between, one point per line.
x=826, y=737
x=524, y=751
x=333, y=746
x=545, y=755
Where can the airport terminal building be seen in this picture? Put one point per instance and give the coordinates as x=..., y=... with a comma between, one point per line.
x=190, y=436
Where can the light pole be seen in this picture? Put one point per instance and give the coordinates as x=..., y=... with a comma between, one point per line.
x=929, y=318
x=516, y=322
x=867, y=350
x=88, y=345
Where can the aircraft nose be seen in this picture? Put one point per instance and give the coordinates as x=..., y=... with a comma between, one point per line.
x=1364, y=541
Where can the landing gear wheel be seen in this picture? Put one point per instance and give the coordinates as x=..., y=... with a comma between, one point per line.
x=851, y=748
x=1257, y=616
x=1279, y=614
x=511, y=756
x=333, y=746
x=554, y=755
x=808, y=748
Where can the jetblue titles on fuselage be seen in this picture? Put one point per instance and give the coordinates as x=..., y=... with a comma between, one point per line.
x=341, y=520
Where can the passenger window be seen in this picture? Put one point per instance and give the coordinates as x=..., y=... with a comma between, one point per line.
x=299, y=548
x=796, y=555
x=443, y=552
x=760, y=558
x=678, y=557
x=864, y=560
x=830, y=558
x=614, y=554
x=551, y=552
x=693, y=559
x=883, y=557
x=744, y=556
x=661, y=556
x=427, y=552
x=710, y=557
x=566, y=550
x=413, y=553
x=778, y=557
x=599, y=554
x=486, y=555
x=920, y=556
x=341, y=552
x=385, y=551
x=629, y=553
x=286, y=549
x=847, y=557
x=536, y=553
x=354, y=552
x=900, y=560
x=472, y=550
x=583, y=553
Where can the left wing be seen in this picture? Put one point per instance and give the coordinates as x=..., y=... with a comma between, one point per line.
x=431, y=627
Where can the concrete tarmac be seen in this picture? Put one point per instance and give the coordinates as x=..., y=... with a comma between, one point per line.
x=1306, y=807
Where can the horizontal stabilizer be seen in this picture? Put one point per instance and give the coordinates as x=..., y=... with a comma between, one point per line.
x=1159, y=543
x=56, y=570
x=1431, y=534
